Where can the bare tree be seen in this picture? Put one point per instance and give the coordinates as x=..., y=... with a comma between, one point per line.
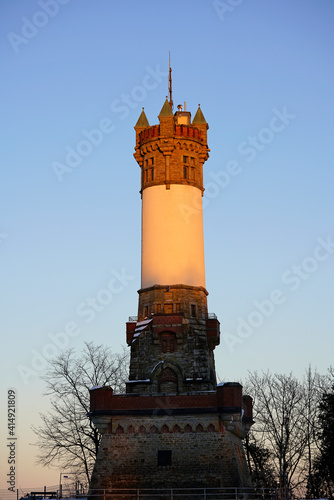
x=314, y=386
x=321, y=476
x=259, y=461
x=66, y=436
x=285, y=412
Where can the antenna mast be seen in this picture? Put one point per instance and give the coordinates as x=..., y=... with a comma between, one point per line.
x=170, y=84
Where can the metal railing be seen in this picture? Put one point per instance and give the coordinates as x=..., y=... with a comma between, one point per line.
x=185, y=494
x=212, y=316
x=208, y=316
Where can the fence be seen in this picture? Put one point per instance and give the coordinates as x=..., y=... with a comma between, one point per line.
x=75, y=492
x=185, y=494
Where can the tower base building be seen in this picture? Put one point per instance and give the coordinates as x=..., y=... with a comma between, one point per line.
x=174, y=427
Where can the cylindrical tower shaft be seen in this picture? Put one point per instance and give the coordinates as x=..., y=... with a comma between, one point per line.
x=172, y=241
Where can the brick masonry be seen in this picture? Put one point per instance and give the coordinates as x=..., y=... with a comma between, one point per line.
x=202, y=431
x=163, y=147
x=203, y=453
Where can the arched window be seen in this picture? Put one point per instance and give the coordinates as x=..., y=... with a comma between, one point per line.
x=164, y=429
x=167, y=381
x=188, y=428
x=119, y=430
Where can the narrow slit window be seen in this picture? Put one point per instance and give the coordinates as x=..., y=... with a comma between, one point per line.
x=192, y=173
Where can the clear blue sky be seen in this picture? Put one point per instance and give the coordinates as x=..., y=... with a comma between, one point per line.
x=263, y=74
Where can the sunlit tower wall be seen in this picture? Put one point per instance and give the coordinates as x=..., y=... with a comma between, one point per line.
x=174, y=427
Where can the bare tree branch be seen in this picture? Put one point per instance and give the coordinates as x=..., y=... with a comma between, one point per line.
x=66, y=436
x=285, y=412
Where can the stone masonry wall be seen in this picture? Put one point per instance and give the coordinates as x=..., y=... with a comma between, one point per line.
x=178, y=297
x=191, y=359
x=203, y=453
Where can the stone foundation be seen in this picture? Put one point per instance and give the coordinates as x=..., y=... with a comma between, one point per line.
x=198, y=451
x=174, y=441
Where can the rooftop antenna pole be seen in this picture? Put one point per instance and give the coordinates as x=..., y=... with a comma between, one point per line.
x=170, y=84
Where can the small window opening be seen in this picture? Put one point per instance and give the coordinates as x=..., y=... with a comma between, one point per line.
x=167, y=342
x=192, y=173
x=164, y=457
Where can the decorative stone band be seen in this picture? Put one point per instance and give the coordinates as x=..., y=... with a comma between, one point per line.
x=177, y=286
x=234, y=409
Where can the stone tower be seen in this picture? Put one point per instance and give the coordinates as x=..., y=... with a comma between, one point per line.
x=174, y=427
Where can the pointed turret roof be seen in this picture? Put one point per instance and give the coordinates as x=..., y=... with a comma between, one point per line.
x=199, y=117
x=142, y=121
x=166, y=109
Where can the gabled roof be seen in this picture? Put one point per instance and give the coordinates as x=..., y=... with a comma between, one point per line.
x=142, y=121
x=166, y=109
x=199, y=117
